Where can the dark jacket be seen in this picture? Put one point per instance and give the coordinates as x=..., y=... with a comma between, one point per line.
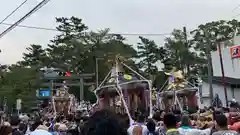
x=16, y=132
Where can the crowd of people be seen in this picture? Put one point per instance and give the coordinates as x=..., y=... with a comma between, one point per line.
x=105, y=122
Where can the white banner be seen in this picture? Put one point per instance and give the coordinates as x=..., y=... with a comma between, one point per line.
x=19, y=104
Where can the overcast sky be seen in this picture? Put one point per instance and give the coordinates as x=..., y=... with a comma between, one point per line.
x=121, y=16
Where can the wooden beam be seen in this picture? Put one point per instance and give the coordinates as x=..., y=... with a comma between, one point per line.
x=85, y=76
x=81, y=92
x=68, y=84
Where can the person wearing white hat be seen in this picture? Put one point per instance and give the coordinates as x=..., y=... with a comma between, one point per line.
x=62, y=127
x=41, y=130
x=234, y=100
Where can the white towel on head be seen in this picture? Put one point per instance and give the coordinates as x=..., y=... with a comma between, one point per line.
x=42, y=127
x=234, y=100
x=6, y=124
x=62, y=127
x=40, y=132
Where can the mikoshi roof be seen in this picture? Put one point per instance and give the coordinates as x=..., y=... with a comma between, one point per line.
x=122, y=78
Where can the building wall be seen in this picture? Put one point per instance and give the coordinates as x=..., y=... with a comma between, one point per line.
x=219, y=89
x=231, y=66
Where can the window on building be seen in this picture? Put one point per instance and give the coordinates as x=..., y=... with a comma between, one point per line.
x=232, y=90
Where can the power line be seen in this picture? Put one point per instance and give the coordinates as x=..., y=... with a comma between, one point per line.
x=14, y=11
x=36, y=8
x=141, y=34
x=31, y=27
x=234, y=10
x=236, y=16
x=126, y=34
x=236, y=7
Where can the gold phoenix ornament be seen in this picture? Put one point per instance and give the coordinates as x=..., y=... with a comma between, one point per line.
x=176, y=79
x=154, y=94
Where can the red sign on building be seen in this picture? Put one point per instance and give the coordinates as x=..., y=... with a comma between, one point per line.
x=235, y=52
x=67, y=74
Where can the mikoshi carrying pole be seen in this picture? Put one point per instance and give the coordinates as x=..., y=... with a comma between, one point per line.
x=119, y=91
x=54, y=107
x=158, y=94
x=150, y=86
x=98, y=87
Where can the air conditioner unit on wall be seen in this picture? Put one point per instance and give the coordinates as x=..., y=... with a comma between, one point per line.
x=205, y=95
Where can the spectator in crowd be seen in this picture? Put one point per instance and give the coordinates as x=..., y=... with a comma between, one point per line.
x=170, y=122
x=103, y=122
x=39, y=129
x=14, y=122
x=139, y=127
x=185, y=122
x=5, y=130
x=23, y=128
x=222, y=126
x=151, y=127
x=187, y=129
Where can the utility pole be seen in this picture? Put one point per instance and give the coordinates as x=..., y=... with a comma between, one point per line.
x=223, y=73
x=185, y=36
x=5, y=105
x=81, y=92
x=96, y=68
x=209, y=59
x=186, y=49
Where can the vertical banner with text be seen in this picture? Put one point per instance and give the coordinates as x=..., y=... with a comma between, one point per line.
x=235, y=52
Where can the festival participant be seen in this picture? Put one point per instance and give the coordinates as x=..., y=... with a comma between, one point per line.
x=124, y=119
x=23, y=128
x=162, y=113
x=161, y=129
x=235, y=126
x=185, y=122
x=204, y=120
x=5, y=130
x=151, y=127
x=158, y=118
x=103, y=122
x=170, y=122
x=62, y=129
x=77, y=126
x=70, y=122
x=222, y=126
x=139, y=127
x=39, y=129
x=187, y=129
x=15, y=121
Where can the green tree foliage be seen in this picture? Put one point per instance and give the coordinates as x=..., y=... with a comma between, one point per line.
x=76, y=49
x=180, y=53
x=213, y=32
x=20, y=83
x=36, y=56
x=209, y=34
x=148, y=54
x=65, y=51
